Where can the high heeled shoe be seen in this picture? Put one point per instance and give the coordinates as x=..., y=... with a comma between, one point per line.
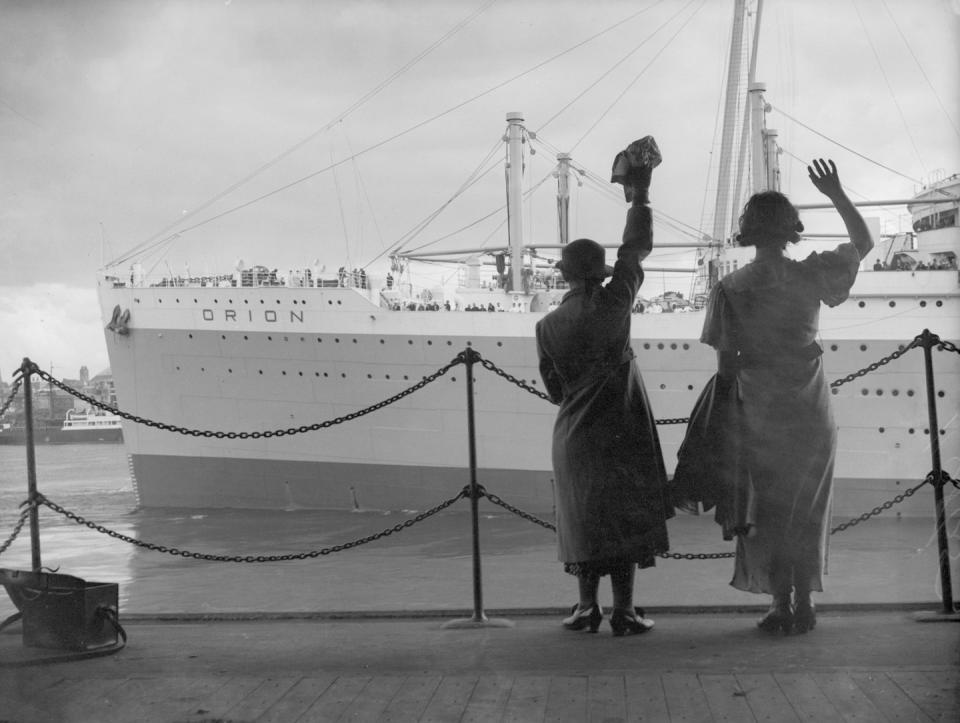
x=624, y=623
x=580, y=619
x=779, y=618
x=804, y=617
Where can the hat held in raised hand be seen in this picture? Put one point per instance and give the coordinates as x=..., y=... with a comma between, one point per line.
x=632, y=168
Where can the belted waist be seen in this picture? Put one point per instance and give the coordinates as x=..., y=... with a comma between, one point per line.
x=757, y=358
x=601, y=371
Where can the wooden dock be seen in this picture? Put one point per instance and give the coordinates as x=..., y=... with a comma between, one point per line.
x=873, y=666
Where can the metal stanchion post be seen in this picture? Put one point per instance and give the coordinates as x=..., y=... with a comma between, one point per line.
x=479, y=618
x=946, y=586
x=26, y=368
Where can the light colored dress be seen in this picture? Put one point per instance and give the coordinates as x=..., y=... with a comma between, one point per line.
x=609, y=476
x=768, y=312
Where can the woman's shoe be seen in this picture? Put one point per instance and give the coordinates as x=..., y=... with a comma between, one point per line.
x=804, y=617
x=779, y=618
x=580, y=619
x=624, y=623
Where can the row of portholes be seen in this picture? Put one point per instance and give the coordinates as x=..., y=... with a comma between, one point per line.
x=892, y=304
x=343, y=375
x=336, y=339
x=911, y=430
x=246, y=301
x=893, y=392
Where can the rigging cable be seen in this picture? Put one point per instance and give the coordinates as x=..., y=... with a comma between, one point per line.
x=841, y=145
x=297, y=146
x=611, y=69
x=922, y=72
x=390, y=139
x=642, y=71
x=886, y=79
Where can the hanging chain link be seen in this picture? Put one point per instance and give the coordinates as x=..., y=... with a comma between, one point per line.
x=537, y=393
x=10, y=397
x=41, y=499
x=16, y=530
x=881, y=508
x=917, y=341
x=248, y=435
x=947, y=346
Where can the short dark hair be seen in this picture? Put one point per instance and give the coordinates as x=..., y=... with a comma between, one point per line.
x=769, y=219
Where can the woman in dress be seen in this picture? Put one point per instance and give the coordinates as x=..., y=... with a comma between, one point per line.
x=779, y=436
x=609, y=475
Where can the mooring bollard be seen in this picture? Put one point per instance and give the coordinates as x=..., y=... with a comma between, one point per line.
x=479, y=618
x=946, y=586
x=27, y=370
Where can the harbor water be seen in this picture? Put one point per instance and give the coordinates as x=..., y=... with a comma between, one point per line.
x=424, y=567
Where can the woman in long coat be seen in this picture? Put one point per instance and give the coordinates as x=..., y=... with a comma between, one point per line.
x=608, y=468
x=774, y=448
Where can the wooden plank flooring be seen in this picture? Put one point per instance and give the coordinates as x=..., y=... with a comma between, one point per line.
x=868, y=695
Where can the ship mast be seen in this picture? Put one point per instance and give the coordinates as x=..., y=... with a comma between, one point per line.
x=514, y=138
x=563, y=197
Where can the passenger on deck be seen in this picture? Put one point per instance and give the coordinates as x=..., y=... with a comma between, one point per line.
x=761, y=440
x=610, y=480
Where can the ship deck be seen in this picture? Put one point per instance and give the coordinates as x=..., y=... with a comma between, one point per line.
x=858, y=665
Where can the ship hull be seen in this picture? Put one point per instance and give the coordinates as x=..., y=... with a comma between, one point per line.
x=258, y=359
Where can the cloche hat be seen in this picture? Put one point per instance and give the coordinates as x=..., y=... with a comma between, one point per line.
x=584, y=259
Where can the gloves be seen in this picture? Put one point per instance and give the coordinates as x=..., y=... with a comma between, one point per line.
x=633, y=168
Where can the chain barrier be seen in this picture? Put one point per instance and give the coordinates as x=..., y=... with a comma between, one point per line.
x=248, y=435
x=947, y=346
x=41, y=499
x=10, y=397
x=720, y=555
x=917, y=341
x=16, y=529
x=489, y=365
x=473, y=356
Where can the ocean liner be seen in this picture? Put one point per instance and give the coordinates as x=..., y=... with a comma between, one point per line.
x=251, y=350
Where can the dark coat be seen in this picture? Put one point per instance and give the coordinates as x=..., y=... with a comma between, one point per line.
x=610, y=481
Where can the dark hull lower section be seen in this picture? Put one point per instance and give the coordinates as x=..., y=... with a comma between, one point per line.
x=208, y=482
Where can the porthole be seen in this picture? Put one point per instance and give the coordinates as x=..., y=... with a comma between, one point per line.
x=646, y=345
x=499, y=343
x=429, y=342
x=689, y=387
x=278, y=301
x=262, y=301
x=261, y=372
x=911, y=430
x=386, y=376
x=864, y=392
x=863, y=347
x=369, y=376
x=354, y=341
x=382, y=341
x=833, y=347
x=909, y=392
x=879, y=392
x=410, y=342
x=892, y=304
x=245, y=301
x=862, y=304
x=941, y=394
x=336, y=340
x=895, y=392
x=283, y=372
x=449, y=343
x=882, y=430
x=673, y=346
x=660, y=345
x=923, y=303
x=229, y=371
x=316, y=374
x=178, y=301
x=269, y=338
x=939, y=303
x=245, y=337
x=300, y=373
x=834, y=390
x=453, y=379
x=663, y=386
x=686, y=346
x=190, y=335
x=344, y=376
x=223, y=336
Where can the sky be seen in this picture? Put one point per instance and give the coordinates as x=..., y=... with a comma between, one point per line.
x=123, y=122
